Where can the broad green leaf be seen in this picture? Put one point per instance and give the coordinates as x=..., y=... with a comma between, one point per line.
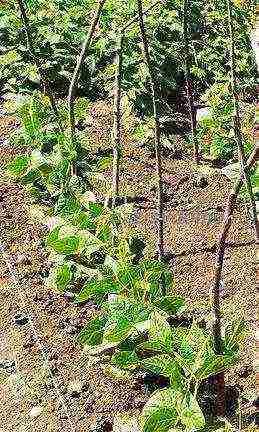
x=190, y=413
x=92, y=333
x=89, y=243
x=234, y=334
x=67, y=245
x=160, y=333
x=125, y=359
x=96, y=289
x=124, y=315
x=66, y=205
x=63, y=276
x=171, y=304
x=30, y=176
x=96, y=209
x=19, y=165
x=167, y=366
x=160, y=414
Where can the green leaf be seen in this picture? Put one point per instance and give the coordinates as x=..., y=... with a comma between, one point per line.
x=167, y=366
x=66, y=205
x=125, y=359
x=96, y=209
x=124, y=315
x=30, y=176
x=160, y=414
x=96, y=289
x=171, y=304
x=60, y=277
x=89, y=243
x=19, y=165
x=160, y=333
x=190, y=413
x=92, y=333
x=235, y=333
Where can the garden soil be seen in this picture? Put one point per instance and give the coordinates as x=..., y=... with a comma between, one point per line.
x=46, y=382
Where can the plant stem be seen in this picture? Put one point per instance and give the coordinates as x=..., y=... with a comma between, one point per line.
x=237, y=125
x=188, y=81
x=43, y=79
x=117, y=120
x=77, y=71
x=157, y=134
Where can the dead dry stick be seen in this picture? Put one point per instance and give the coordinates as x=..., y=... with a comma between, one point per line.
x=188, y=81
x=77, y=71
x=43, y=79
x=117, y=120
x=238, y=127
x=230, y=206
x=157, y=134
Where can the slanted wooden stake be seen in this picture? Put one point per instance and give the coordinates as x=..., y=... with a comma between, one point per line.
x=117, y=120
x=157, y=134
x=77, y=72
x=43, y=79
x=230, y=207
x=244, y=178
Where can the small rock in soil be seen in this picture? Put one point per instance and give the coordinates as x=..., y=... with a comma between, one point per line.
x=69, y=295
x=8, y=365
x=75, y=388
x=199, y=180
x=35, y=411
x=21, y=319
x=23, y=259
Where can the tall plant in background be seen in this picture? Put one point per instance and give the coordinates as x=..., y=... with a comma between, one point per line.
x=30, y=46
x=153, y=84
x=245, y=171
x=189, y=92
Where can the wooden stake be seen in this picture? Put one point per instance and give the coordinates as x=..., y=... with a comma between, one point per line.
x=77, y=72
x=157, y=134
x=117, y=120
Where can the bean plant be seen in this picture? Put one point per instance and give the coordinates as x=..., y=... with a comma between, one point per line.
x=94, y=253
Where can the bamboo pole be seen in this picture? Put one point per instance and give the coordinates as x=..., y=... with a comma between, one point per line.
x=160, y=215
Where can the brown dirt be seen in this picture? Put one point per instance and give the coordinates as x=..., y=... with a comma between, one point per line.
x=192, y=226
